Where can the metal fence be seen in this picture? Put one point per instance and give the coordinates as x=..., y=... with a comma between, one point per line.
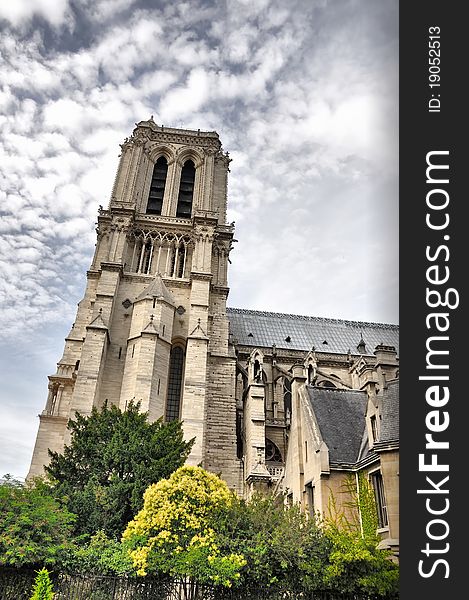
x=17, y=584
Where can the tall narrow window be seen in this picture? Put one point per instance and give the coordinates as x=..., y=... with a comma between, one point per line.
x=374, y=427
x=176, y=367
x=378, y=486
x=146, y=259
x=239, y=434
x=177, y=262
x=158, y=181
x=287, y=396
x=186, y=190
x=172, y=264
x=257, y=371
x=309, y=489
x=181, y=262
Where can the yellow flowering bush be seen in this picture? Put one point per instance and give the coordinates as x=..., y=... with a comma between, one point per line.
x=174, y=532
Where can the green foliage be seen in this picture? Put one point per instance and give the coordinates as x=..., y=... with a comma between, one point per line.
x=175, y=532
x=113, y=457
x=362, y=515
x=356, y=565
x=35, y=527
x=285, y=550
x=99, y=556
x=42, y=589
x=367, y=506
x=282, y=547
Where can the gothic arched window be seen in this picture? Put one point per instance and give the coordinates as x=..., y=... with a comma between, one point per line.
x=178, y=261
x=272, y=453
x=146, y=258
x=186, y=190
x=158, y=182
x=176, y=369
x=257, y=370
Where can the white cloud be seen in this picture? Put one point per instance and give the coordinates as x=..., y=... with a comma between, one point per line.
x=186, y=99
x=21, y=11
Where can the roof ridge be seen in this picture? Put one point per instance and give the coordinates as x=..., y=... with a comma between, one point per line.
x=249, y=311
x=334, y=390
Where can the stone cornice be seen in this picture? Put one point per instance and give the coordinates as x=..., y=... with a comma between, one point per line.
x=201, y=276
x=46, y=417
x=178, y=283
x=112, y=266
x=220, y=289
x=142, y=221
x=170, y=135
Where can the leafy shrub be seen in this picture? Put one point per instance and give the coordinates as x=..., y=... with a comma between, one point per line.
x=42, y=589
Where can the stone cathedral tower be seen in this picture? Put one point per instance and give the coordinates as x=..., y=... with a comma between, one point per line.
x=152, y=326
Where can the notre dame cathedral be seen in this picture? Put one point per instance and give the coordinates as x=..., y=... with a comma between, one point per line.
x=274, y=401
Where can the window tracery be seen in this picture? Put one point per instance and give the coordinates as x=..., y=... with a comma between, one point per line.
x=154, y=252
x=272, y=452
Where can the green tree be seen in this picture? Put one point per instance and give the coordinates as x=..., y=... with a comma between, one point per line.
x=42, y=589
x=355, y=565
x=113, y=457
x=99, y=556
x=283, y=548
x=35, y=526
x=175, y=532
x=287, y=551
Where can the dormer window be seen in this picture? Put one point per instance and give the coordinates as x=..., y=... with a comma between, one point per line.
x=186, y=190
x=158, y=182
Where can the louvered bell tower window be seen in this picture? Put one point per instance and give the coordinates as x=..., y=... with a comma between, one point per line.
x=186, y=190
x=158, y=181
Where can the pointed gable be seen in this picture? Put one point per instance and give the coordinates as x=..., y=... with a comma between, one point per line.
x=157, y=289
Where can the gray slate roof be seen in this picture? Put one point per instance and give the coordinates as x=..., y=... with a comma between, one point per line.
x=269, y=328
x=341, y=419
x=390, y=413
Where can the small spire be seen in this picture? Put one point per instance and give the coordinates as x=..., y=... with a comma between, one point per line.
x=361, y=344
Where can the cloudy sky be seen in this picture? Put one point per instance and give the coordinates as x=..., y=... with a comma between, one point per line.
x=304, y=97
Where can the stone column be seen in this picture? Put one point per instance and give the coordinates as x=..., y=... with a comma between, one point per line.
x=255, y=471
x=294, y=463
